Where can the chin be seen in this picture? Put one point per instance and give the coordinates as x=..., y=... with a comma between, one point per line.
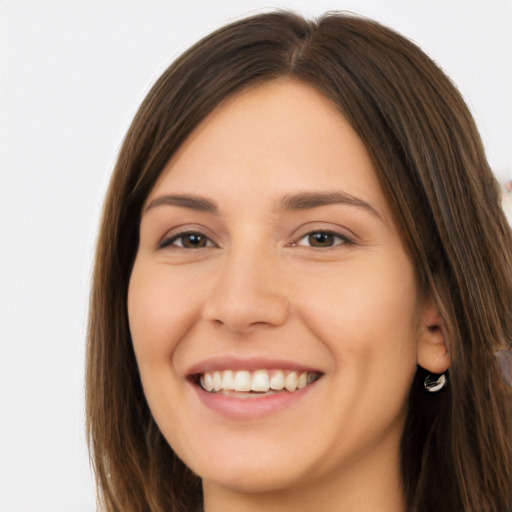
x=253, y=478
x=249, y=466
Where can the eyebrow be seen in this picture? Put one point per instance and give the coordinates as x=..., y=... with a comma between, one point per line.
x=185, y=201
x=307, y=200
x=290, y=202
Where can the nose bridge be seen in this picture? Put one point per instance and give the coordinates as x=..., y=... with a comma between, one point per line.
x=248, y=289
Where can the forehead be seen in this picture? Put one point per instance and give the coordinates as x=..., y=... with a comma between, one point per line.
x=276, y=138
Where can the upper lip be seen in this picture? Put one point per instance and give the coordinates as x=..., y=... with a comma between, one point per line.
x=230, y=362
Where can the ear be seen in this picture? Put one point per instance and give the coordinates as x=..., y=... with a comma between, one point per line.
x=433, y=353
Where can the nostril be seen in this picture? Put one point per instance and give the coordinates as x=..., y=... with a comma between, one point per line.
x=258, y=308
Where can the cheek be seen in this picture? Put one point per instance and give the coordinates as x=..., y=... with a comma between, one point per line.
x=368, y=314
x=161, y=308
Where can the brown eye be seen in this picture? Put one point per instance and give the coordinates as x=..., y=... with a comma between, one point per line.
x=193, y=241
x=188, y=241
x=323, y=240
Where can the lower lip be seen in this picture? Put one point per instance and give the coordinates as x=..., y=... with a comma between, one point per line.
x=253, y=407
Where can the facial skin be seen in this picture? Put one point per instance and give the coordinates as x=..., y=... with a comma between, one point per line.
x=258, y=290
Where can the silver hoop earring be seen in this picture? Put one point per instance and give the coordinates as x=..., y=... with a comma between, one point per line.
x=434, y=384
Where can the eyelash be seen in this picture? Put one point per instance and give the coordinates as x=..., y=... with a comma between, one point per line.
x=342, y=240
x=170, y=242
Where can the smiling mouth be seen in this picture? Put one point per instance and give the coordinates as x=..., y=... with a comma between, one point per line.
x=244, y=383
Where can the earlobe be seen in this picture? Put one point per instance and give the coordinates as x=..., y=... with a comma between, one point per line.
x=433, y=353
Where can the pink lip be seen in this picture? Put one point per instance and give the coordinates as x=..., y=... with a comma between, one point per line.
x=241, y=409
x=251, y=408
x=219, y=362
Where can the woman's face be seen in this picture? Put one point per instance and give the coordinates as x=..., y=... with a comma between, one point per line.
x=268, y=258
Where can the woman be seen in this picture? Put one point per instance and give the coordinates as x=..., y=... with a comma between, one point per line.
x=302, y=277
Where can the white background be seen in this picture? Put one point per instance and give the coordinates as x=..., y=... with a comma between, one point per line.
x=72, y=74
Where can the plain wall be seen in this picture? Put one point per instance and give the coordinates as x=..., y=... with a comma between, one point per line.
x=72, y=74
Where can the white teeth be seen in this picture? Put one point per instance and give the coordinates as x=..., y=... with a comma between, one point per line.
x=207, y=381
x=228, y=380
x=242, y=381
x=302, y=380
x=290, y=381
x=260, y=381
x=217, y=381
x=277, y=380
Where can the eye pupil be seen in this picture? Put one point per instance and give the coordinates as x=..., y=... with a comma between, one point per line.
x=321, y=239
x=193, y=241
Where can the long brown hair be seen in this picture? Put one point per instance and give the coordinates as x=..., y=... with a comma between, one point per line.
x=428, y=156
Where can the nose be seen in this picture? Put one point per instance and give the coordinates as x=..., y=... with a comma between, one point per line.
x=248, y=292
